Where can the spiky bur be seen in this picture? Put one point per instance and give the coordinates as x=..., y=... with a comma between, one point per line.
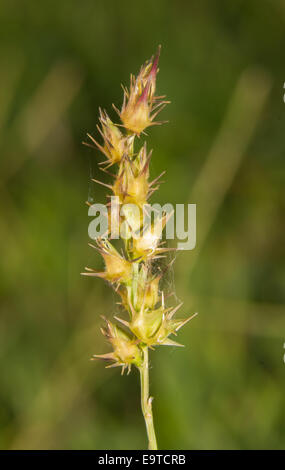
x=149, y=322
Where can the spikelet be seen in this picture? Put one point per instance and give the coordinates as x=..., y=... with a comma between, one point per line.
x=125, y=350
x=115, y=144
x=140, y=105
x=146, y=295
x=131, y=184
x=118, y=269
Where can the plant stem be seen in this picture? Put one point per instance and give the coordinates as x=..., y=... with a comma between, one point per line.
x=146, y=400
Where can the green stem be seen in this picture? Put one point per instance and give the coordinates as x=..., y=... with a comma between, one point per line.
x=146, y=401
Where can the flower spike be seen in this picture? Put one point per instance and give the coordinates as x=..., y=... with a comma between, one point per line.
x=132, y=265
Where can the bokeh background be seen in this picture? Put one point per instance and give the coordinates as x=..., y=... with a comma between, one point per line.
x=222, y=66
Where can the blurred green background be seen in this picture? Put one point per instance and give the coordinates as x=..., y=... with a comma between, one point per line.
x=222, y=67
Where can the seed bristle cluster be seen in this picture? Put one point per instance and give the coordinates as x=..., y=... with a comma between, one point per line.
x=131, y=272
